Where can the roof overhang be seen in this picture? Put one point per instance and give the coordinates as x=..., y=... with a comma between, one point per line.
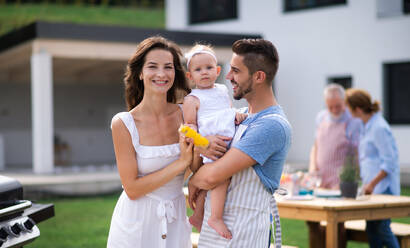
x=81, y=50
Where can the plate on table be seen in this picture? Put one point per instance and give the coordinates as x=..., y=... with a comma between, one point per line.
x=298, y=197
x=326, y=193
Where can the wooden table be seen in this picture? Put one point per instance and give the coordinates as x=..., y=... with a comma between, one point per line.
x=334, y=211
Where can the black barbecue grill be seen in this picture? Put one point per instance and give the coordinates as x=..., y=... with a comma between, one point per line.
x=19, y=217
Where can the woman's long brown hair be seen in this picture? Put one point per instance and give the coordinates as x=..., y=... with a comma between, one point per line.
x=134, y=87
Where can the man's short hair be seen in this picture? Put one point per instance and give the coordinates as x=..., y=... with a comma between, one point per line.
x=258, y=55
x=332, y=89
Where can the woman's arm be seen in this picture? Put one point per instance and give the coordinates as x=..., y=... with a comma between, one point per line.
x=125, y=155
x=368, y=189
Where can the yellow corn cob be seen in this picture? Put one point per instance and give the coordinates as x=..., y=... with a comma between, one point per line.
x=199, y=140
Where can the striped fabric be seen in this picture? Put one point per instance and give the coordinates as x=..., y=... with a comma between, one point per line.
x=246, y=214
x=277, y=228
x=332, y=147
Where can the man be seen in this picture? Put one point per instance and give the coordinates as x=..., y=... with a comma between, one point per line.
x=337, y=135
x=257, y=154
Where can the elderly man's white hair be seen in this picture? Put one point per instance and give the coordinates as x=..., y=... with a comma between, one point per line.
x=332, y=89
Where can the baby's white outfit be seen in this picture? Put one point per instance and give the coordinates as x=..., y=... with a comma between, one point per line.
x=142, y=222
x=215, y=114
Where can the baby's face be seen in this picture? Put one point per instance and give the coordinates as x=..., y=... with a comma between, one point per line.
x=203, y=70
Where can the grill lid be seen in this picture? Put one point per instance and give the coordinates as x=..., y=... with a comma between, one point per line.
x=10, y=189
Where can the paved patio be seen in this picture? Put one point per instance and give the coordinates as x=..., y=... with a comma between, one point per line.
x=89, y=180
x=68, y=181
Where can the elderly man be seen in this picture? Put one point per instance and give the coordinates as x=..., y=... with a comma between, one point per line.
x=337, y=134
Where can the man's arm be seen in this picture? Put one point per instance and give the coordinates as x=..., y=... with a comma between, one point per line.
x=212, y=174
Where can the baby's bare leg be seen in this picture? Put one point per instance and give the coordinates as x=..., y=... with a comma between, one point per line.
x=198, y=216
x=218, y=196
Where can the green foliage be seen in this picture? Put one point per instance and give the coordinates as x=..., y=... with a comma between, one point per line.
x=14, y=16
x=350, y=170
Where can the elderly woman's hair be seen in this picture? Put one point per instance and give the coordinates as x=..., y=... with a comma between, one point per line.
x=332, y=89
x=134, y=86
x=358, y=98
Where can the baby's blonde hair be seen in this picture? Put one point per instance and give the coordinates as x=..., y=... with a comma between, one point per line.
x=205, y=47
x=198, y=49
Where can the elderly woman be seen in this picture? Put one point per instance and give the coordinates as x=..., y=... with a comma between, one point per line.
x=378, y=157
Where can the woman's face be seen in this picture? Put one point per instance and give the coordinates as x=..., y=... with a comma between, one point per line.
x=158, y=72
x=355, y=112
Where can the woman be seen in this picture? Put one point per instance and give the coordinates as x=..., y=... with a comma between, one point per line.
x=378, y=157
x=151, y=162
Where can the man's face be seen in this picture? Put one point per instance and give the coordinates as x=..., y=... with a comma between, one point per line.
x=336, y=105
x=239, y=76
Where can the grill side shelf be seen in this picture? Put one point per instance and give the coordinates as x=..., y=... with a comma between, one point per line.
x=40, y=212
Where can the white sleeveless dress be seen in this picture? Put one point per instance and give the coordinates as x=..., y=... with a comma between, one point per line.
x=144, y=221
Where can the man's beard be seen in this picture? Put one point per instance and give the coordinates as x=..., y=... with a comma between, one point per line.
x=336, y=117
x=240, y=94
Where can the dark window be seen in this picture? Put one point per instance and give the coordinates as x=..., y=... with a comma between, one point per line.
x=212, y=10
x=397, y=92
x=345, y=81
x=406, y=6
x=115, y=3
x=293, y=5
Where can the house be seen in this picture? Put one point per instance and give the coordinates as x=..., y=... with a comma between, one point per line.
x=60, y=85
x=362, y=44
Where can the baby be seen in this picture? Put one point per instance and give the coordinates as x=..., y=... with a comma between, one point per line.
x=208, y=110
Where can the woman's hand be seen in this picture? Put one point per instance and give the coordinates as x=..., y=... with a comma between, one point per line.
x=193, y=193
x=217, y=147
x=186, y=145
x=368, y=189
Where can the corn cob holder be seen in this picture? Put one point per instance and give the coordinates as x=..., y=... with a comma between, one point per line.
x=199, y=140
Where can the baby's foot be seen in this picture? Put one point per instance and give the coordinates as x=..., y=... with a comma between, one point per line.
x=196, y=222
x=219, y=226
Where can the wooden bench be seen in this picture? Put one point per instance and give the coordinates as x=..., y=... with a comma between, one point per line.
x=195, y=239
x=356, y=231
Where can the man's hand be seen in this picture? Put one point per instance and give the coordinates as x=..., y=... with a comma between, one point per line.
x=217, y=147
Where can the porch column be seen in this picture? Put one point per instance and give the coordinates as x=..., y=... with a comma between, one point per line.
x=42, y=112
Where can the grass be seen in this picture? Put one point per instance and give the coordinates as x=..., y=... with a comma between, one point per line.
x=78, y=222
x=13, y=16
x=84, y=222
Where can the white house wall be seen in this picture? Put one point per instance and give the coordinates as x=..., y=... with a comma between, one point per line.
x=316, y=44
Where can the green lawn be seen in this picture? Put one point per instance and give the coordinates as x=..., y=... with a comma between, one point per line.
x=13, y=16
x=78, y=222
x=84, y=222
